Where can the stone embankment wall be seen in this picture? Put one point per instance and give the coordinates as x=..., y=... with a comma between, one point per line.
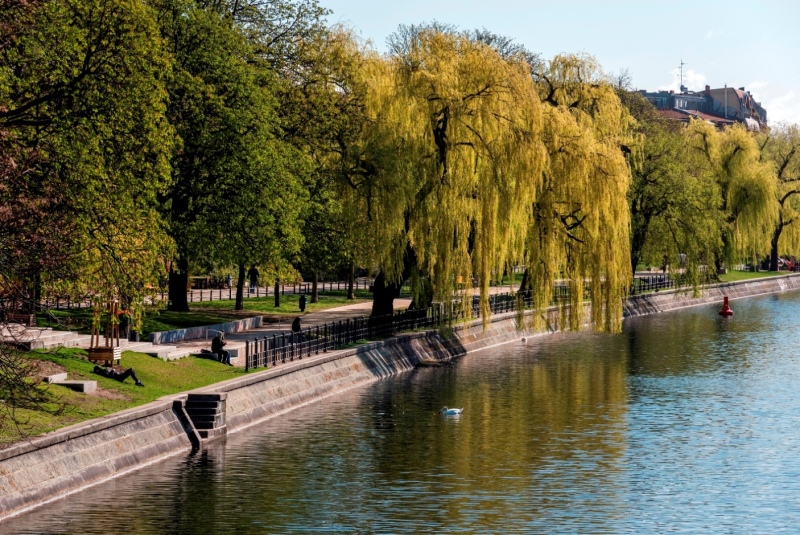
x=70, y=459
x=666, y=301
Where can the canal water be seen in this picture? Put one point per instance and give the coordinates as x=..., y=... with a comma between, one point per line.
x=683, y=423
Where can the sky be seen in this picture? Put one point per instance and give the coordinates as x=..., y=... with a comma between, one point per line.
x=755, y=44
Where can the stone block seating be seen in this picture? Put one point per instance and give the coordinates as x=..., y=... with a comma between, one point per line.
x=86, y=387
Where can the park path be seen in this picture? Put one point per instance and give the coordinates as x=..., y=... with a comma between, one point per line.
x=236, y=341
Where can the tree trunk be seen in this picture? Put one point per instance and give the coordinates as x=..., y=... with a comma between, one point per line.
x=383, y=296
x=178, y=284
x=240, y=289
x=277, y=293
x=640, y=225
x=351, y=281
x=523, y=284
x=314, y=288
x=773, y=250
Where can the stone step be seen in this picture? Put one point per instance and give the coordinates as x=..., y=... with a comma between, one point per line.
x=81, y=340
x=201, y=405
x=68, y=339
x=79, y=386
x=200, y=418
x=56, y=378
x=203, y=425
x=159, y=351
x=139, y=347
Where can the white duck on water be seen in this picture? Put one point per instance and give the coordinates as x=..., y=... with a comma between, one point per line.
x=450, y=412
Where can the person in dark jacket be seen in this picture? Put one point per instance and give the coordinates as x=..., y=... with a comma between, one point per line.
x=217, y=345
x=118, y=374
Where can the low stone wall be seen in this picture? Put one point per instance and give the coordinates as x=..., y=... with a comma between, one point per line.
x=205, y=331
x=664, y=301
x=63, y=462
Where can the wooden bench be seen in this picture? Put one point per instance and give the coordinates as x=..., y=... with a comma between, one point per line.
x=107, y=355
x=29, y=320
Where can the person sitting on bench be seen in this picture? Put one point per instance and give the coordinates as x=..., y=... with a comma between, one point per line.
x=118, y=374
x=216, y=347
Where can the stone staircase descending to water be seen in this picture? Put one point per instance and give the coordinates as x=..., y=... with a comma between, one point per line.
x=47, y=338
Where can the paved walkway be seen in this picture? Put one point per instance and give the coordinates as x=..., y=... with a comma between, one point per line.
x=236, y=341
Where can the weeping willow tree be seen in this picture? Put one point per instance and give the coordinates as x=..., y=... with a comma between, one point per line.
x=467, y=166
x=747, y=189
x=580, y=228
x=780, y=147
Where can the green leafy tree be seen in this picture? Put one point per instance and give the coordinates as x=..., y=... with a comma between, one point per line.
x=673, y=196
x=467, y=164
x=780, y=146
x=85, y=138
x=237, y=184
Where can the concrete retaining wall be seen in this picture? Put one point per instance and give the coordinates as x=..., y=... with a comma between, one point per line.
x=205, y=331
x=70, y=459
x=665, y=301
x=256, y=397
x=73, y=458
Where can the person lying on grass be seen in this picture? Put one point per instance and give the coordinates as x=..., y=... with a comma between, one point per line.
x=118, y=374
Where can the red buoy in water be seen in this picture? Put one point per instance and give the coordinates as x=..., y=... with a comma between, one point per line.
x=726, y=311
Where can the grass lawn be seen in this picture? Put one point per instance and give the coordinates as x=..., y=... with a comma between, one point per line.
x=733, y=276
x=160, y=379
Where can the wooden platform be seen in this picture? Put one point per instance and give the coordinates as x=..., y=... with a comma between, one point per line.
x=107, y=355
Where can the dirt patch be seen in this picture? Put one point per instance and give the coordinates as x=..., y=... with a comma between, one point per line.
x=109, y=394
x=45, y=368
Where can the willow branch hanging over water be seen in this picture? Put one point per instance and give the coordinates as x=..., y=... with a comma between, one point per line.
x=482, y=161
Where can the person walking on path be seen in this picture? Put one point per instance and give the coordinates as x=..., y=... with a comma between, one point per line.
x=252, y=274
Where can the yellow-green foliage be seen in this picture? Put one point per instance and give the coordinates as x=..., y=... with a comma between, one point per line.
x=780, y=147
x=476, y=166
x=747, y=186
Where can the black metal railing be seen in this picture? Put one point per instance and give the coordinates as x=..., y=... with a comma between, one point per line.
x=280, y=348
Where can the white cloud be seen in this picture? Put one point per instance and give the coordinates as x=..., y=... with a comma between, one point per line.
x=693, y=80
x=783, y=108
x=713, y=34
x=781, y=102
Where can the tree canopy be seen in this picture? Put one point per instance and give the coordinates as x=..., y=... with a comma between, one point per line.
x=472, y=162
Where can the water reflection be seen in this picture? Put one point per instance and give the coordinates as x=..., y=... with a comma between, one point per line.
x=684, y=422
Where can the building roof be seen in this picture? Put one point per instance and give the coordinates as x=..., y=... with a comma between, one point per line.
x=677, y=114
x=710, y=118
x=674, y=115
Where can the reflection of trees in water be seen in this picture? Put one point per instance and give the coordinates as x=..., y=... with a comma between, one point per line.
x=698, y=340
x=521, y=417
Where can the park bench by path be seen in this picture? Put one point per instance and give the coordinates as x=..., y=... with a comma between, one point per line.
x=28, y=320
